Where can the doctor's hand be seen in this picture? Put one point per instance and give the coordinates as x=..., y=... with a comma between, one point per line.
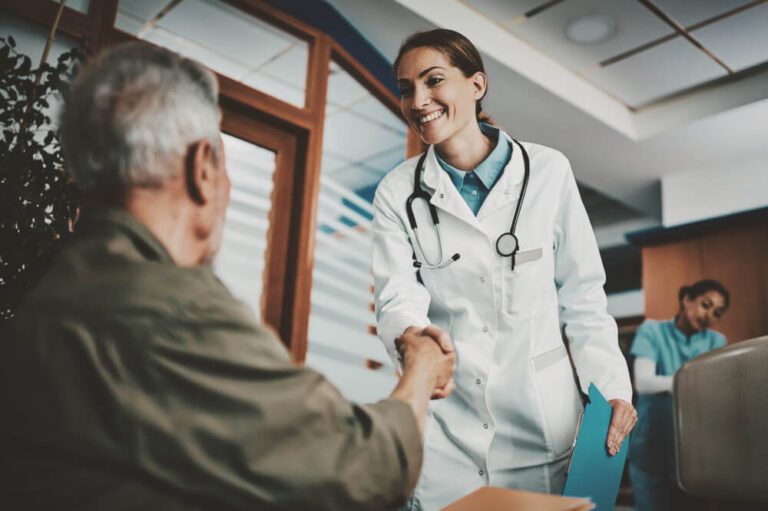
x=623, y=419
x=421, y=342
x=437, y=334
x=445, y=343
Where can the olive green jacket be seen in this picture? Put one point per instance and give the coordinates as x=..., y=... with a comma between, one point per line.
x=127, y=382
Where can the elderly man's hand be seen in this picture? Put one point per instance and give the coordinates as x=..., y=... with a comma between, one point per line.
x=623, y=419
x=430, y=349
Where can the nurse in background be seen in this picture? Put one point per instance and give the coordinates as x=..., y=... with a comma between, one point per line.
x=511, y=421
x=660, y=348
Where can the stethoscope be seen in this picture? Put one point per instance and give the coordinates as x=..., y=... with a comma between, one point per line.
x=507, y=243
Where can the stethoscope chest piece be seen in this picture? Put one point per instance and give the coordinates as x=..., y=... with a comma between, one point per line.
x=507, y=245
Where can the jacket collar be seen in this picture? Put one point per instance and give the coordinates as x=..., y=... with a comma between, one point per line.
x=507, y=189
x=106, y=220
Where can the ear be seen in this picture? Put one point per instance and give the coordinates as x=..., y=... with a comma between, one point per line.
x=199, y=170
x=480, y=85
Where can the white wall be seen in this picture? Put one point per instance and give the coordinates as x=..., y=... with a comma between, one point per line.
x=626, y=304
x=711, y=192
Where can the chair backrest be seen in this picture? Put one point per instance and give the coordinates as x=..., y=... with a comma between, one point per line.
x=721, y=423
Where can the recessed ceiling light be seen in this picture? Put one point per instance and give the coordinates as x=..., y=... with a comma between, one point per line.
x=591, y=29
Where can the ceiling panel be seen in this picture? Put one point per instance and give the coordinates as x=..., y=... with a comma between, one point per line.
x=502, y=11
x=343, y=90
x=658, y=72
x=141, y=9
x=373, y=109
x=363, y=174
x=387, y=160
x=690, y=12
x=331, y=164
x=635, y=25
x=212, y=59
x=354, y=138
x=740, y=41
x=356, y=177
x=227, y=30
x=290, y=66
x=274, y=87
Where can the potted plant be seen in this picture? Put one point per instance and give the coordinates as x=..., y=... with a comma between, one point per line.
x=38, y=201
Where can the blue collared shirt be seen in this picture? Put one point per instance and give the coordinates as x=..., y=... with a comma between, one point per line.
x=474, y=186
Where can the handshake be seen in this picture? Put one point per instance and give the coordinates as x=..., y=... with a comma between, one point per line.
x=428, y=358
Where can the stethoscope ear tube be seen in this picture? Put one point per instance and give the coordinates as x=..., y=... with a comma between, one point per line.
x=454, y=257
x=507, y=243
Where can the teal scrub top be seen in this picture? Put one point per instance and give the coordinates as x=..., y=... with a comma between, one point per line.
x=652, y=446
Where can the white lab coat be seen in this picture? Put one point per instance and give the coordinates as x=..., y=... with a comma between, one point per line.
x=516, y=403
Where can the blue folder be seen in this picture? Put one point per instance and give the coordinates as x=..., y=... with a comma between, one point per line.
x=592, y=471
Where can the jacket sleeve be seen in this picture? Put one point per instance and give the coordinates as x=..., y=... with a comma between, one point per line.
x=579, y=277
x=401, y=300
x=220, y=410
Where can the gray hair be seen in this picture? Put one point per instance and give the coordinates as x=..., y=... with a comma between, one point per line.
x=131, y=114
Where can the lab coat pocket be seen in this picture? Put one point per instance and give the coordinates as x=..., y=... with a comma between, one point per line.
x=524, y=290
x=559, y=399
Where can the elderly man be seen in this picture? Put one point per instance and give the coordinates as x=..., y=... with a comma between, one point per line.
x=132, y=379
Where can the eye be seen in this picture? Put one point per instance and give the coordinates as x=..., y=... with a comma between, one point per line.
x=434, y=80
x=706, y=305
x=405, y=91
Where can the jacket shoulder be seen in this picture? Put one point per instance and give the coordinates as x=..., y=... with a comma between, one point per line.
x=546, y=158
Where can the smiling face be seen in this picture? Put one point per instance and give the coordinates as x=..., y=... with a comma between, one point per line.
x=702, y=311
x=436, y=99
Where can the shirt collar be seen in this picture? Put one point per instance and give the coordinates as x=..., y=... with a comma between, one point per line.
x=680, y=336
x=490, y=168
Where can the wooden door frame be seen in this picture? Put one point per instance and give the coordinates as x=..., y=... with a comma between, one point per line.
x=284, y=144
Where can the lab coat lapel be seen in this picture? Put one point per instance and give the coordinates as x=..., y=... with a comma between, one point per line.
x=445, y=196
x=507, y=190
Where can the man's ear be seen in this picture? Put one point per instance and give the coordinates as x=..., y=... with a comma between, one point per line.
x=198, y=171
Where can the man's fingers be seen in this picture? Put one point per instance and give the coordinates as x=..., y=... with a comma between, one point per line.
x=445, y=391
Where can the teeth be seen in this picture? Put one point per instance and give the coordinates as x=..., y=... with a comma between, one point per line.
x=431, y=117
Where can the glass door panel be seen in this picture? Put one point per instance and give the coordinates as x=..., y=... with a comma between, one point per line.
x=362, y=141
x=240, y=263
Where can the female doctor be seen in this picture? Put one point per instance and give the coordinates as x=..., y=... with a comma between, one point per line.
x=483, y=244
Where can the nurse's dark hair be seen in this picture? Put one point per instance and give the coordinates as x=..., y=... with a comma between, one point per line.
x=458, y=49
x=704, y=286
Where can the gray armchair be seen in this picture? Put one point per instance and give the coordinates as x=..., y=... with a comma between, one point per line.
x=721, y=423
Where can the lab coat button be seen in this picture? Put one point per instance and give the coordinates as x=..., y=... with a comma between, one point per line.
x=506, y=191
x=482, y=279
x=482, y=473
x=485, y=426
x=442, y=196
x=485, y=329
x=478, y=381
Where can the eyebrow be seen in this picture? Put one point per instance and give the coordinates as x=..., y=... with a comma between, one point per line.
x=422, y=73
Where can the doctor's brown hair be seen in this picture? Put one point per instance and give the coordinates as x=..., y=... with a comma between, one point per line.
x=458, y=49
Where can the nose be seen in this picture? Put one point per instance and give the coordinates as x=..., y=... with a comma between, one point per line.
x=420, y=98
